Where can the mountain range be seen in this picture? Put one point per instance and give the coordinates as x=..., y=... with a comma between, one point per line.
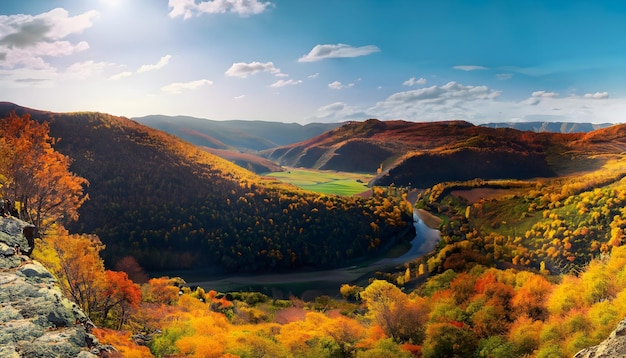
x=424, y=154
x=172, y=204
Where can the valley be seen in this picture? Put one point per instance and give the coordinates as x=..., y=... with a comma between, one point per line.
x=509, y=242
x=309, y=284
x=325, y=182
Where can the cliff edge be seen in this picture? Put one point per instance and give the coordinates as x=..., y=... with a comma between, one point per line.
x=36, y=320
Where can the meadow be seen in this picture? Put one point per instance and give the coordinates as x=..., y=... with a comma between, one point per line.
x=325, y=181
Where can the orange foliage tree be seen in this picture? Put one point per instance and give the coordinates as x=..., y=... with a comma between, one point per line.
x=107, y=297
x=121, y=296
x=37, y=176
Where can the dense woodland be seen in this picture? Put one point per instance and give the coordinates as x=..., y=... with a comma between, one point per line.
x=171, y=205
x=535, y=268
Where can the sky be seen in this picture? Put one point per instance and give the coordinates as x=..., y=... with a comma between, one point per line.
x=309, y=61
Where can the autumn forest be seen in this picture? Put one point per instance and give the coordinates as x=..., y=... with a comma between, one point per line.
x=530, y=261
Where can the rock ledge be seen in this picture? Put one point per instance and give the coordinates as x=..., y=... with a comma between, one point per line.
x=36, y=320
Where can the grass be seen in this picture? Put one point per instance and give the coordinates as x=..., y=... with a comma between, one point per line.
x=325, y=181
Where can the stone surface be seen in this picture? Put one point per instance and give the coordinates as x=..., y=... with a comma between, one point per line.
x=614, y=346
x=17, y=233
x=36, y=320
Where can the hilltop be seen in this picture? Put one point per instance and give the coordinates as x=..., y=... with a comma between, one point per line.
x=446, y=151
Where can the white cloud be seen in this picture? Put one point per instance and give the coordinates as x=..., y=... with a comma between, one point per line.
x=320, y=52
x=446, y=102
x=480, y=104
x=83, y=70
x=121, y=75
x=537, y=96
x=413, y=82
x=573, y=108
x=25, y=40
x=162, y=62
x=544, y=94
x=243, y=70
x=189, y=8
x=597, y=95
x=504, y=76
x=338, y=111
x=336, y=85
x=313, y=76
x=333, y=107
x=178, y=87
x=240, y=96
x=283, y=83
x=469, y=68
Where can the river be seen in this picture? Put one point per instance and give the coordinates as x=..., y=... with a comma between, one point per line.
x=312, y=284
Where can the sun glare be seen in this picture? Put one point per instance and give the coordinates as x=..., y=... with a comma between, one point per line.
x=111, y=3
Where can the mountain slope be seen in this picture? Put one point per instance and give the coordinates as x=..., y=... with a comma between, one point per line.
x=172, y=205
x=423, y=154
x=234, y=134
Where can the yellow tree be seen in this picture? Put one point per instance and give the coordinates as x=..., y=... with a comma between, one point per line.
x=37, y=176
x=75, y=262
x=401, y=318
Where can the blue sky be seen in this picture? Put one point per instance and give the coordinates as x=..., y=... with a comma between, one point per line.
x=318, y=60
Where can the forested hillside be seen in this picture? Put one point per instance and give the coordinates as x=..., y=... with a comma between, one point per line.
x=424, y=154
x=171, y=205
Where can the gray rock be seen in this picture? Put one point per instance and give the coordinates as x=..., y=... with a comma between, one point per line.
x=37, y=271
x=8, y=351
x=9, y=313
x=614, y=346
x=17, y=233
x=6, y=250
x=36, y=320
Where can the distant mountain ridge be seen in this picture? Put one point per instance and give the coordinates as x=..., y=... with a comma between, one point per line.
x=555, y=127
x=241, y=135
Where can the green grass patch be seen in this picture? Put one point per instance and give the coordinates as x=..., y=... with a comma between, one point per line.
x=325, y=181
x=508, y=217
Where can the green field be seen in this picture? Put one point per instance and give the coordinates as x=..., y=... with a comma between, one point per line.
x=325, y=181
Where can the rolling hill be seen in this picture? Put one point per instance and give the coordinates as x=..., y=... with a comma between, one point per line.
x=172, y=205
x=423, y=154
x=239, y=135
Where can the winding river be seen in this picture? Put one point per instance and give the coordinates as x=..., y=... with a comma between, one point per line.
x=315, y=283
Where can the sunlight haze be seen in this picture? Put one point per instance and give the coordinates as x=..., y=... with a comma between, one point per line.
x=318, y=61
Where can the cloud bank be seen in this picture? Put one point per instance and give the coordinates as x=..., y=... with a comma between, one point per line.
x=480, y=104
x=469, y=68
x=178, y=87
x=26, y=40
x=162, y=62
x=243, y=70
x=321, y=52
x=189, y=8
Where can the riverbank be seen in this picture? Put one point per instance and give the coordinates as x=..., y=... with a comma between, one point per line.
x=327, y=281
x=429, y=219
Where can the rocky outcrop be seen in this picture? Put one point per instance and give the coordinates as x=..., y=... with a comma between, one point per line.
x=36, y=320
x=614, y=346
